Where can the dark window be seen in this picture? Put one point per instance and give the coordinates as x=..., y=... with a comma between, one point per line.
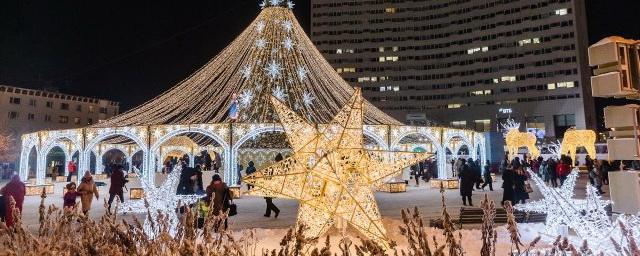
x=79, y=108
x=49, y=104
x=32, y=102
x=14, y=100
x=47, y=118
x=63, y=119
x=64, y=106
x=76, y=120
x=13, y=115
x=31, y=116
x=89, y=121
x=103, y=110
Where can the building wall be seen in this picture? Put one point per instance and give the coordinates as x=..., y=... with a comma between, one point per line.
x=462, y=61
x=26, y=110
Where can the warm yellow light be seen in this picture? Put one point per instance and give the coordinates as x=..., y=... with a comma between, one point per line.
x=578, y=138
x=331, y=172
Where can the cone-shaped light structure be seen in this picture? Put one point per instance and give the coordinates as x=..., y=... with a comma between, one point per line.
x=273, y=56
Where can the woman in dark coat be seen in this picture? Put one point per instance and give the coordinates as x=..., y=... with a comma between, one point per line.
x=219, y=191
x=520, y=192
x=14, y=189
x=187, y=179
x=117, y=183
x=488, y=180
x=508, y=177
x=467, y=179
x=250, y=170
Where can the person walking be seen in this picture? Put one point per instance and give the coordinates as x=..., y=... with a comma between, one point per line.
x=69, y=198
x=519, y=187
x=552, y=166
x=14, y=189
x=487, y=176
x=198, y=188
x=118, y=182
x=187, y=180
x=219, y=196
x=508, y=177
x=88, y=190
x=415, y=170
x=71, y=169
x=562, y=169
x=604, y=171
x=269, y=200
x=589, y=163
x=467, y=179
x=597, y=176
x=250, y=170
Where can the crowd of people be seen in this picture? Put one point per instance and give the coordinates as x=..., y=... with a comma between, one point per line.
x=472, y=175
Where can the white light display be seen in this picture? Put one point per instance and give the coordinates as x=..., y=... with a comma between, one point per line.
x=162, y=199
x=586, y=217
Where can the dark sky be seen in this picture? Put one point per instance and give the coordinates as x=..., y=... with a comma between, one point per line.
x=130, y=51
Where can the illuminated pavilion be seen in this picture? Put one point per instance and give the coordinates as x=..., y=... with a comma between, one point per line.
x=273, y=56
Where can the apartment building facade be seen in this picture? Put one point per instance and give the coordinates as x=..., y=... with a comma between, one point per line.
x=27, y=110
x=463, y=63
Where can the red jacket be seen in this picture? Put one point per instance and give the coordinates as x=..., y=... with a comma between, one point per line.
x=16, y=189
x=562, y=169
x=71, y=167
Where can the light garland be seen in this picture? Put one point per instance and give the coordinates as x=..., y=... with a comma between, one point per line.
x=516, y=139
x=162, y=199
x=331, y=172
x=587, y=217
x=272, y=51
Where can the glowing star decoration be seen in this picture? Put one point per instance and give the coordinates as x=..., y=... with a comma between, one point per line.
x=279, y=93
x=273, y=69
x=290, y=4
x=516, y=139
x=587, y=217
x=288, y=44
x=287, y=25
x=307, y=99
x=260, y=26
x=302, y=73
x=245, y=98
x=331, y=173
x=246, y=71
x=275, y=2
x=261, y=43
x=162, y=199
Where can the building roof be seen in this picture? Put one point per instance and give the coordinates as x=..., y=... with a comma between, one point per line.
x=55, y=95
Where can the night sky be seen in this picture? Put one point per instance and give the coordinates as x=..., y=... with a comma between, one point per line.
x=131, y=51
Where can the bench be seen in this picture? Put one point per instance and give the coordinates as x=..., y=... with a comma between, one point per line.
x=474, y=216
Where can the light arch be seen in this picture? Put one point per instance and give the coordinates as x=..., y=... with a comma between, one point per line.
x=86, y=157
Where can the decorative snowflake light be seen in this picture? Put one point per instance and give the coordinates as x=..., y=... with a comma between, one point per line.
x=263, y=4
x=260, y=26
x=587, y=217
x=288, y=43
x=162, y=199
x=246, y=71
x=307, y=98
x=245, y=98
x=290, y=4
x=331, y=172
x=275, y=2
x=273, y=69
x=261, y=43
x=279, y=93
x=302, y=73
x=287, y=25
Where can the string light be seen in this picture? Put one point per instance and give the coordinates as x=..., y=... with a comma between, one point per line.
x=578, y=138
x=587, y=217
x=331, y=172
x=162, y=199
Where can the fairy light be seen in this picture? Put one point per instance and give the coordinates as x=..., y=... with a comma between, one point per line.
x=516, y=139
x=587, y=217
x=331, y=172
x=162, y=199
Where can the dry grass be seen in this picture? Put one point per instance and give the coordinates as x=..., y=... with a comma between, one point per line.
x=71, y=233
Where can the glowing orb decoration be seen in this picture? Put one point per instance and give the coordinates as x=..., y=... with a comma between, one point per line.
x=331, y=173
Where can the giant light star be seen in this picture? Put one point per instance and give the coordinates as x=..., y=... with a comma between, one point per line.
x=162, y=199
x=331, y=173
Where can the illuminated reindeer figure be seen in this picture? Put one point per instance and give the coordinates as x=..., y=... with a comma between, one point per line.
x=516, y=139
x=578, y=138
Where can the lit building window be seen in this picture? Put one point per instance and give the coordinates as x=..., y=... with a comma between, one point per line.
x=339, y=51
x=390, y=10
x=396, y=88
x=478, y=49
x=482, y=125
x=381, y=49
x=459, y=124
x=496, y=80
x=508, y=79
x=535, y=40
x=395, y=48
x=457, y=105
x=562, y=11
x=551, y=86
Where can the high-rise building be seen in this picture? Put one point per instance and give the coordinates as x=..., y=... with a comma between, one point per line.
x=463, y=63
